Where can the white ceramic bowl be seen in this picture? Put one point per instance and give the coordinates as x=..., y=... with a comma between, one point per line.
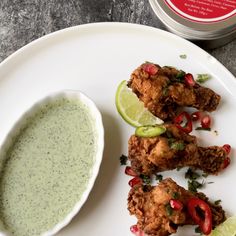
x=99, y=129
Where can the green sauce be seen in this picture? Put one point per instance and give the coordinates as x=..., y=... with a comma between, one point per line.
x=47, y=167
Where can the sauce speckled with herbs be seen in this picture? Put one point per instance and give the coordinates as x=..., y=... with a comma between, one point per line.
x=47, y=167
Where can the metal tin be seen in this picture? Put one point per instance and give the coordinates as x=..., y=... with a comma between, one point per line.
x=211, y=23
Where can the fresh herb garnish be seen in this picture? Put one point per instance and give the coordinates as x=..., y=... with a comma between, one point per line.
x=202, y=78
x=169, y=210
x=216, y=132
x=183, y=56
x=217, y=202
x=193, y=185
x=201, y=128
x=146, y=179
x=180, y=74
x=123, y=159
x=179, y=77
x=175, y=195
x=171, y=141
x=205, y=175
x=179, y=146
x=192, y=175
x=198, y=230
x=159, y=177
x=168, y=134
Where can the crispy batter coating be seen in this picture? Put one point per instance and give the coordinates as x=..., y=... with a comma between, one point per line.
x=173, y=149
x=164, y=92
x=150, y=206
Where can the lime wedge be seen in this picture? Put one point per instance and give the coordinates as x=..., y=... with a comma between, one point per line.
x=150, y=131
x=228, y=228
x=131, y=109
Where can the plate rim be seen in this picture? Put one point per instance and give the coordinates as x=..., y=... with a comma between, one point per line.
x=124, y=25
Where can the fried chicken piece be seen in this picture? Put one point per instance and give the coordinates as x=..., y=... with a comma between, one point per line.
x=151, y=206
x=173, y=149
x=165, y=90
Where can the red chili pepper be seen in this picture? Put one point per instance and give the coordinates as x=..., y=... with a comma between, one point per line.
x=129, y=171
x=176, y=204
x=206, y=121
x=204, y=222
x=178, y=120
x=196, y=115
x=226, y=162
x=135, y=181
x=227, y=148
x=150, y=68
x=189, y=80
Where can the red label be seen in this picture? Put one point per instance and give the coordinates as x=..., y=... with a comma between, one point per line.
x=204, y=10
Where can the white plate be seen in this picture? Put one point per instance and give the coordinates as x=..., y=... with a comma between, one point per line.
x=94, y=59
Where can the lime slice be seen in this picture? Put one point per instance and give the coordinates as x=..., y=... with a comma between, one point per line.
x=131, y=109
x=150, y=131
x=228, y=228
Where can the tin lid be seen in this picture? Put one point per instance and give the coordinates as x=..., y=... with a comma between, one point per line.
x=197, y=19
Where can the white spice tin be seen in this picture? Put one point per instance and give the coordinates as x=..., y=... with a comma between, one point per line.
x=210, y=22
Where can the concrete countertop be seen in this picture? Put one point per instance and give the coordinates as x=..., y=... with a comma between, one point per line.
x=22, y=21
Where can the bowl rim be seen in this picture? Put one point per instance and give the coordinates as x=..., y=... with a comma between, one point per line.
x=98, y=128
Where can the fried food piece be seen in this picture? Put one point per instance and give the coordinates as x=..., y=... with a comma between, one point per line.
x=173, y=149
x=151, y=206
x=165, y=90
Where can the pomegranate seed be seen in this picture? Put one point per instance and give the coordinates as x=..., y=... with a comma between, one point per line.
x=176, y=204
x=189, y=80
x=226, y=162
x=206, y=121
x=196, y=116
x=150, y=68
x=134, y=229
x=135, y=181
x=129, y=171
x=227, y=148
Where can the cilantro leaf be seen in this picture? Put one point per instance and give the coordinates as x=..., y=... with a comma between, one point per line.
x=192, y=175
x=202, y=78
x=146, y=179
x=179, y=146
x=159, y=177
x=123, y=159
x=183, y=56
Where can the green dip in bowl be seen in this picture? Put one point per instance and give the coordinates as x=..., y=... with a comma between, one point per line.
x=48, y=164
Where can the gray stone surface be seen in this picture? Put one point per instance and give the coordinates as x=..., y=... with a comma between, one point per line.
x=22, y=21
